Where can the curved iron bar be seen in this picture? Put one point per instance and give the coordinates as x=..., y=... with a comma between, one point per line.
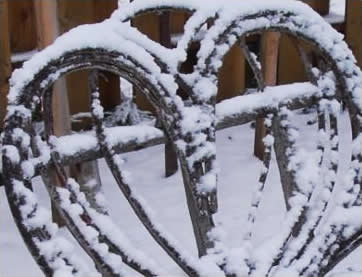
x=205, y=69
x=279, y=22
x=76, y=60
x=134, y=202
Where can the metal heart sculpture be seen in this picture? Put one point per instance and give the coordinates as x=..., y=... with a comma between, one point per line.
x=116, y=47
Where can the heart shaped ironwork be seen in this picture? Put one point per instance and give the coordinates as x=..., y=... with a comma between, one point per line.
x=190, y=125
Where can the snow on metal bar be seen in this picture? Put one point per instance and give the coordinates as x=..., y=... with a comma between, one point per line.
x=130, y=138
x=76, y=144
x=271, y=99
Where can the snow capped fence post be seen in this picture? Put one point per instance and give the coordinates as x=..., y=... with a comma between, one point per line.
x=318, y=230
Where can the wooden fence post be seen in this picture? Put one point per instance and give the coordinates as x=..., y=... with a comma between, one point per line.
x=47, y=30
x=22, y=26
x=354, y=28
x=269, y=61
x=5, y=64
x=171, y=165
x=71, y=14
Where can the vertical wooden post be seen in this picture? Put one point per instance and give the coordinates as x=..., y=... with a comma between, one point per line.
x=47, y=31
x=71, y=14
x=290, y=66
x=269, y=61
x=165, y=32
x=101, y=11
x=5, y=64
x=22, y=26
x=232, y=74
x=171, y=165
x=177, y=22
x=149, y=25
x=354, y=28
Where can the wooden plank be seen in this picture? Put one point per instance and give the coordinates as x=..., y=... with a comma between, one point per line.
x=149, y=25
x=177, y=22
x=46, y=23
x=354, y=27
x=5, y=65
x=320, y=6
x=290, y=67
x=73, y=13
x=232, y=74
x=103, y=9
x=269, y=61
x=22, y=25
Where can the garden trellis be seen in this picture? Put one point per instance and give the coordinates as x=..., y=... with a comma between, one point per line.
x=314, y=236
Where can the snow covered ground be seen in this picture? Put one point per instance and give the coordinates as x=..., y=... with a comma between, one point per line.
x=238, y=175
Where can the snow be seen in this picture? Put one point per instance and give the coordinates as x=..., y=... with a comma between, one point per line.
x=338, y=7
x=337, y=10
x=22, y=56
x=11, y=152
x=272, y=97
x=195, y=133
x=333, y=18
x=238, y=174
x=86, y=36
x=71, y=144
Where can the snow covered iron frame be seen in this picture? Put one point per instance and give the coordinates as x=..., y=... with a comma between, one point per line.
x=116, y=47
